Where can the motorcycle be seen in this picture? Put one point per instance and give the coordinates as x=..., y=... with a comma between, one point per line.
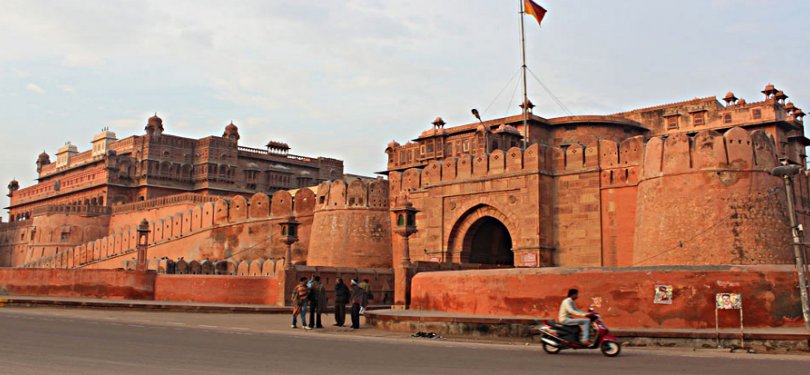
x=556, y=337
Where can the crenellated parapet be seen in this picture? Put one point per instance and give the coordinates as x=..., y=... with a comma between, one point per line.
x=537, y=158
x=357, y=194
x=737, y=149
x=623, y=163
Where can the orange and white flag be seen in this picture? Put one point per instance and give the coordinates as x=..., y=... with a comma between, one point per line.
x=535, y=10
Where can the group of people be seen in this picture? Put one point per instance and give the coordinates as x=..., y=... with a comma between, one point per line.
x=312, y=294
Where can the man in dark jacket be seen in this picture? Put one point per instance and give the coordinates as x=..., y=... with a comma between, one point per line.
x=358, y=298
x=317, y=302
x=341, y=299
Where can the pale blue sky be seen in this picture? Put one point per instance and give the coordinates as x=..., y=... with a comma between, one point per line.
x=343, y=78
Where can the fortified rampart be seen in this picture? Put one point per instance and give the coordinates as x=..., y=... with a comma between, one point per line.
x=699, y=199
x=352, y=222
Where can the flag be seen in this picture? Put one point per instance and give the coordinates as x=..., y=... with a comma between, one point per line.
x=535, y=10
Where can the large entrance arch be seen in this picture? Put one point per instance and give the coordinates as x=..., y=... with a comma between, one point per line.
x=488, y=242
x=482, y=235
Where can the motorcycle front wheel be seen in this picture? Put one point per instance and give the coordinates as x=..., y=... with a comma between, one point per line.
x=610, y=348
x=550, y=349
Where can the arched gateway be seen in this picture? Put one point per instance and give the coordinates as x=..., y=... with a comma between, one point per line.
x=482, y=235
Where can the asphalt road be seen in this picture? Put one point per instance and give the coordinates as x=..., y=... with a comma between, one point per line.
x=48, y=341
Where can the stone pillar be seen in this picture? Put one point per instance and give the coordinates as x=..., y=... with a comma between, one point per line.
x=405, y=216
x=143, y=237
x=289, y=235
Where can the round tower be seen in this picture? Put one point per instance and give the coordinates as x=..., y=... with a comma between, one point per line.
x=351, y=225
x=710, y=200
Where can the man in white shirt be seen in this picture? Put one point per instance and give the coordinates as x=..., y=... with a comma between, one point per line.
x=569, y=315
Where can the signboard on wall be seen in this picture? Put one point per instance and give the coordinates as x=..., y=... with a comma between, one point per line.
x=530, y=260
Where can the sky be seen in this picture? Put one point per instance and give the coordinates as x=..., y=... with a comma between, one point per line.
x=341, y=79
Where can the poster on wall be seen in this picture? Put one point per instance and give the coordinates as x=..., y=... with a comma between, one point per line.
x=663, y=294
x=728, y=301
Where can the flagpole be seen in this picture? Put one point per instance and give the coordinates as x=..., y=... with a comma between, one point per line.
x=525, y=96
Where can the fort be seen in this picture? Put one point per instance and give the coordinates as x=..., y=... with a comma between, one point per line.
x=679, y=185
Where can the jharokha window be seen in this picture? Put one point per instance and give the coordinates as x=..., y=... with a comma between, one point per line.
x=727, y=118
x=672, y=122
x=699, y=118
x=756, y=114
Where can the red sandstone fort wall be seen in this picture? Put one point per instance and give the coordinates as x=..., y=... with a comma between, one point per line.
x=63, y=229
x=233, y=229
x=624, y=296
x=610, y=204
x=14, y=240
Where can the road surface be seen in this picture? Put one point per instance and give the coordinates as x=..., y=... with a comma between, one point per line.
x=48, y=341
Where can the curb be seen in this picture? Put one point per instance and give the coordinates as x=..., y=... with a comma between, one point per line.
x=23, y=301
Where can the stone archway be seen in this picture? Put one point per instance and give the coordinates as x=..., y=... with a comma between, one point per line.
x=482, y=235
x=487, y=241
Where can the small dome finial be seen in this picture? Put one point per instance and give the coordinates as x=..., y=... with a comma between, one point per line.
x=231, y=132
x=438, y=122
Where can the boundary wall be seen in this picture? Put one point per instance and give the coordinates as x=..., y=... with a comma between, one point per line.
x=624, y=296
x=266, y=289
x=111, y=284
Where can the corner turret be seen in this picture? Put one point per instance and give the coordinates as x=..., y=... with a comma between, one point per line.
x=12, y=187
x=231, y=132
x=42, y=160
x=154, y=126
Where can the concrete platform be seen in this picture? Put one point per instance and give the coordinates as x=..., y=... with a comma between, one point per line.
x=487, y=326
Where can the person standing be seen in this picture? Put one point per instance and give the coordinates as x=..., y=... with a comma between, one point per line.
x=299, y=301
x=358, y=298
x=366, y=287
x=317, y=302
x=341, y=299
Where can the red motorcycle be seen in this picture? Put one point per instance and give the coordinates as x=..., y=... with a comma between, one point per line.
x=557, y=337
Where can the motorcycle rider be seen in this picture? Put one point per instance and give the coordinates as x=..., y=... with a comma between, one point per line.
x=570, y=315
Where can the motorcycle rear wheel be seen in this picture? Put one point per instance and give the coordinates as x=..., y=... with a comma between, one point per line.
x=550, y=349
x=610, y=348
